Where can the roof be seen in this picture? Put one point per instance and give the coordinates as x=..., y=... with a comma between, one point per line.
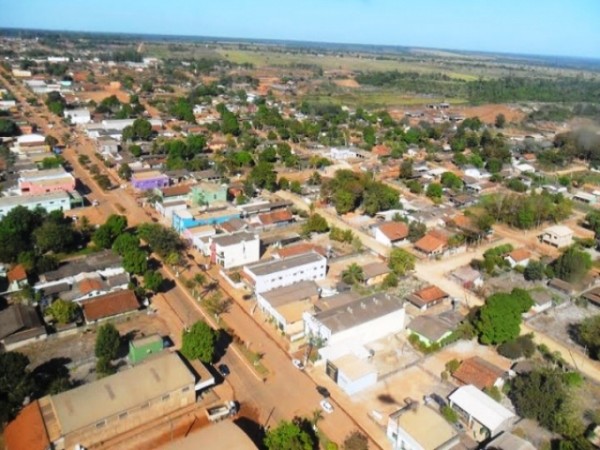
x=466, y=274
x=427, y=295
x=359, y=311
x=481, y=407
x=233, y=225
x=18, y=317
x=224, y=435
x=381, y=150
x=113, y=304
x=146, y=340
x=430, y=327
x=88, y=285
x=89, y=263
x=520, y=254
x=225, y=240
x=394, y=231
x=508, y=441
x=299, y=249
x=561, y=285
x=375, y=269
x=278, y=265
x=353, y=367
x=256, y=208
x=269, y=218
x=89, y=404
x=429, y=244
x=593, y=295
x=147, y=175
x=424, y=425
x=292, y=293
x=175, y=191
x=478, y=372
x=17, y=273
x=559, y=230
x=27, y=431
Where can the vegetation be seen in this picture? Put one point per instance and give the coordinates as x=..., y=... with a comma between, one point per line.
x=199, y=342
x=16, y=384
x=163, y=241
x=288, y=436
x=522, y=346
x=499, y=320
x=108, y=341
x=572, y=265
x=63, y=311
x=315, y=224
x=353, y=274
x=356, y=441
x=588, y=334
x=401, y=261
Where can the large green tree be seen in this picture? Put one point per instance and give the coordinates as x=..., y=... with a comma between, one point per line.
x=573, y=264
x=108, y=341
x=199, y=342
x=63, y=311
x=401, y=261
x=54, y=236
x=499, y=320
x=15, y=384
x=589, y=335
x=353, y=274
x=288, y=436
x=135, y=261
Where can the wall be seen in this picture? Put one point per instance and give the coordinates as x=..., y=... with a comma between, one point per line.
x=236, y=255
x=351, y=387
x=312, y=271
x=63, y=204
x=150, y=183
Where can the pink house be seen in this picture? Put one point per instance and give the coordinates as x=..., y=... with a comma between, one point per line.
x=46, y=181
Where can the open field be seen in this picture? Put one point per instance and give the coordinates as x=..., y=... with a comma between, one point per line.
x=378, y=98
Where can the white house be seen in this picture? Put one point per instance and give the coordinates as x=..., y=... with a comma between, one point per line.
x=200, y=237
x=268, y=275
x=391, y=233
x=78, y=116
x=558, y=236
x=477, y=406
x=420, y=427
x=234, y=250
x=54, y=201
x=341, y=154
x=518, y=257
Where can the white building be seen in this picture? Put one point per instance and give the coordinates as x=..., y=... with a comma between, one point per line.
x=234, y=250
x=78, y=116
x=341, y=154
x=477, y=406
x=558, y=236
x=265, y=276
x=55, y=201
x=121, y=124
x=419, y=427
x=7, y=104
x=391, y=233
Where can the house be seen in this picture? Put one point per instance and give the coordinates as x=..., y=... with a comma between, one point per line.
x=298, y=249
x=194, y=217
x=509, y=441
x=561, y=286
x=97, y=412
x=54, y=201
x=267, y=275
x=40, y=182
x=347, y=327
x=199, y=237
x=431, y=245
x=592, y=296
x=110, y=305
x=434, y=329
x=206, y=193
x=17, y=278
x=558, y=236
x=381, y=151
x=468, y=277
x=254, y=209
x=480, y=373
x=375, y=273
x=427, y=297
x=234, y=250
x=20, y=325
x=223, y=435
x=480, y=409
x=179, y=192
x=542, y=300
x=275, y=218
x=142, y=348
x=518, y=257
x=27, y=431
x=147, y=180
x=106, y=263
x=391, y=233
x=78, y=116
x=287, y=304
x=420, y=427
x=353, y=372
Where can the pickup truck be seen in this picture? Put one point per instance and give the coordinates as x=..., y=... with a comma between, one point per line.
x=219, y=412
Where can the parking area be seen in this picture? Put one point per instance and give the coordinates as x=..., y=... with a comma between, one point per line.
x=336, y=267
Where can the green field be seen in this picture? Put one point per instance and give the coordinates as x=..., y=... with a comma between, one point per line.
x=377, y=99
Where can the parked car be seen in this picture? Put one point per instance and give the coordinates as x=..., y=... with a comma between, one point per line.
x=326, y=406
x=224, y=370
x=459, y=427
x=323, y=391
x=298, y=364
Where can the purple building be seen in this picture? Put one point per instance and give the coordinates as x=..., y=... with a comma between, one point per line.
x=152, y=179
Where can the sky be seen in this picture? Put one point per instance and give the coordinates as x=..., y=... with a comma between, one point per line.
x=542, y=27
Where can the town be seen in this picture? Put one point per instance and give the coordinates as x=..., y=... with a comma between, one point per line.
x=227, y=245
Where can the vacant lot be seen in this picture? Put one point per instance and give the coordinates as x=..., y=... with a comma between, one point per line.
x=98, y=96
x=488, y=113
x=379, y=98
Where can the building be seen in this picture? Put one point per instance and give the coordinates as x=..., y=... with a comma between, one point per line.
x=269, y=275
x=299, y=249
x=558, y=236
x=468, y=277
x=189, y=218
x=480, y=373
x=20, y=325
x=208, y=193
x=199, y=237
x=480, y=409
x=275, y=218
x=509, y=441
x=234, y=250
x=78, y=116
x=151, y=179
x=45, y=181
x=374, y=273
x=592, y=296
x=420, y=427
x=17, y=278
x=102, y=410
x=287, y=304
x=431, y=245
x=109, y=305
x=427, y=297
x=391, y=233
x=27, y=431
x=224, y=435
x=353, y=372
x=434, y=329
x=54, y=201
x=518, y=257
x=144, y=347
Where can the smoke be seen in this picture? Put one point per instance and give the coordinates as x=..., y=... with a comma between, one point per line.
x=587, y=138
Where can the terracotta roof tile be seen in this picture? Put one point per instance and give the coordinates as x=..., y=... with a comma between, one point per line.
x=298, y=249
x=429, y=243
x=88, y=285
x=174, y=191
x=27, y=431
x=394, y=231
x=275, y=217
x=108, y=305
x=381, y=150
x=17, y=273
x=520, y=254
x=431, y=294
x=478, y=372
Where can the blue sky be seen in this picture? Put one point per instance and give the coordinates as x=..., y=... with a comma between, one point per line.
x=547, y=27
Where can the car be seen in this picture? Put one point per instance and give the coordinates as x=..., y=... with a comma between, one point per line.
x=438, y=399
x=326, y=406
x=323, y=391
x=223, y=370
x=459, y=427
x=298, y=364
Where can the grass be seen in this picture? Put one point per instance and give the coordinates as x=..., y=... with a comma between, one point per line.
x=254, y=359
x=378, y=98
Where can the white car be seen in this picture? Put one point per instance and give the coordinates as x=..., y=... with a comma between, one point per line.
x=326, y=406
x=298, y=364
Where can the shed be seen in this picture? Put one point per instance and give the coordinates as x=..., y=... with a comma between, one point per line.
x=142, y=348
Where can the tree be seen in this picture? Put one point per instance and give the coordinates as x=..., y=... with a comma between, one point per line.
x=401, y=261
x=588, y=333
x=108, y=341
x=54, y=236
x=153, y=280
x=125, y=172
x=162, y=240
x=416, y=230
x=126, y=243
x=104, y=367
x=499, y=320
x=102, y=237
x=217, y=305
x=63, y=311
x=534, y=271
x=199, y=342
x=135, y=261
x=288, y=436
x=500, y=121
x=434, y=191
x=8, y=128
x=572, y=265
x=263, y=176
x=451, y=181
x=15, y=384
x=353, y=274
x=284, y=183
x=296, y=187
x=406, y=168
x=356, y=441
x=390, y=281
x=315, y=224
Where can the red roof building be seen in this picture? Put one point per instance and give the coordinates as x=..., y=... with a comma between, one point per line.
x=27, y=431
x=427, y=297
x=478, y=372
x=109, y=305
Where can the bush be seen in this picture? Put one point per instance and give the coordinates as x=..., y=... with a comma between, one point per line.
x=517, y=348
x=449, y=414
x=452, y=365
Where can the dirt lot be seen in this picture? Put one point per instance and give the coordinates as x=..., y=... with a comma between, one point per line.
x=337, y=267
x=488, y=113
x=98, y=96
x=348, y=83
x=557, y=322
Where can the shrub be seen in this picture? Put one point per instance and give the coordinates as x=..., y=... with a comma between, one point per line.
x=449, y=414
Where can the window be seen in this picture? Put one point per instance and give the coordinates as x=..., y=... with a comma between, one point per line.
x=101, y=424
x=166, y=397
x=185, y=389
x=144, y=405
x=123, y=415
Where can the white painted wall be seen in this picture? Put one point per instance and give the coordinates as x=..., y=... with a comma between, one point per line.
x=239, y=254
x=312, y=271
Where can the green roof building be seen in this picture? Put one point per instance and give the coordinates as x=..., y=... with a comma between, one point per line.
x=142, y=348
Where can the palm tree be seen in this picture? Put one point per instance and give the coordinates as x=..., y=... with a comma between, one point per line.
x=317, y=416
x=353, y=274
x=200, y=279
